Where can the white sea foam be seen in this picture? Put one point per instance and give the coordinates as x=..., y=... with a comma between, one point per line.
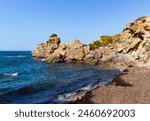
x=70, y=97
x=43, y=59
x=18, y=56
x=81, y=92
x=12, y=74
x=77, y=94
x=85, y=88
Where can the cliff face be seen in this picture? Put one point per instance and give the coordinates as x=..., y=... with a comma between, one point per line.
x=53, y=51
x=129, y=48
x=133, y=48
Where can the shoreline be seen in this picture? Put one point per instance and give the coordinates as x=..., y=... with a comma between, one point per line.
x=130, y=87
x=107, y=76
x=129, y=48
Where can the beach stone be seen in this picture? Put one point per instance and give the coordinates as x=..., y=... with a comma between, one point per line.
x=131, y=87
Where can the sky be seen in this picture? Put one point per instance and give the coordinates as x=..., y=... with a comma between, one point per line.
x=26, y=23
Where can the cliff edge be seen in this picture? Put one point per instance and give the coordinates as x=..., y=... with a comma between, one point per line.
x=131, y=47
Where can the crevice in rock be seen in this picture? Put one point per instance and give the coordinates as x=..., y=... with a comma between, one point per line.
x=134, y=48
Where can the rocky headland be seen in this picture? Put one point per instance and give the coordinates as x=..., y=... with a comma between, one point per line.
x=130, y=48
x=55, y=52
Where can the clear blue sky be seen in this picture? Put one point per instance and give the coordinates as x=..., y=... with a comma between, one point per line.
x=25, y=23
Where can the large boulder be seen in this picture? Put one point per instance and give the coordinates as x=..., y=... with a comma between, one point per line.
x=93, y=57
x=40, y=51
x=74, y=51
x=58, y=55
x=44, y=49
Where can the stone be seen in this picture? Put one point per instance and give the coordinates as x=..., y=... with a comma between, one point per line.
x=79, y=54
x=74, y=44
x=74, y=51
x=40, y=51
x=135, y=42
x=86, y=50
x=93, y=57
x=131, y=48
x=54, y=40
x=109, y=58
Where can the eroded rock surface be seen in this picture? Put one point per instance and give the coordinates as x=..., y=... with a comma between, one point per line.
x=74, y=51
x=131, y=47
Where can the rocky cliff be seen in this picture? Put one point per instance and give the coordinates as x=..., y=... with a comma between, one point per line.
x=53, y=51
x=131, y=47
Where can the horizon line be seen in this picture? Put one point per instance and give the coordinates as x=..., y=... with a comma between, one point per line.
x=15, y=50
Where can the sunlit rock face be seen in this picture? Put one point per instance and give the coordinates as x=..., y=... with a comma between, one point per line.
x=131, y=47
x=53, y=51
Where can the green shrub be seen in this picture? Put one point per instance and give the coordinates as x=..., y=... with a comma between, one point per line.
x=53, y=35
x=106, y=40
x=92, y=46
x=116, y=37
x=97, y=43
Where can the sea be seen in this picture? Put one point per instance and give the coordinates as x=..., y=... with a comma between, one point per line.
x=27, y=80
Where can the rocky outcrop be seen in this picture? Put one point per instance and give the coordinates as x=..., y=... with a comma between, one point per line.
x=128, y=48
x=53, y=51
x=132, y=48
x=45, y=49
x=94, y=56
x=74, y=51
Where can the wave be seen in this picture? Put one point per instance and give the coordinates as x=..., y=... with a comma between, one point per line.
x=77, y=94
x=43, y=59
x=80, y=93
x=18, y=56
x=12, y=74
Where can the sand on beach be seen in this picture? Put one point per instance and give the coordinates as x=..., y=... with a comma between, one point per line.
x=131, y=87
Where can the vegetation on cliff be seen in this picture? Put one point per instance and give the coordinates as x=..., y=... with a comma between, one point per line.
x=128, y=48
x=104, y=41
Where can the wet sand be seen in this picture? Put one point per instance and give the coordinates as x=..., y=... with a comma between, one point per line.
x=131, y=87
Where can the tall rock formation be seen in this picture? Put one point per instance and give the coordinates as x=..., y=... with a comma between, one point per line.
x=53, y=51
x=131, y=47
